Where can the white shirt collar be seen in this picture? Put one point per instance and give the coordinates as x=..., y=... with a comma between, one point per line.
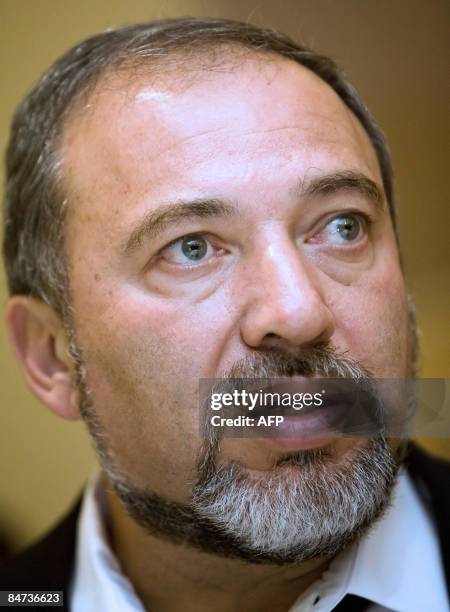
x=399, y=562
x=98, y=583
x=396, y=564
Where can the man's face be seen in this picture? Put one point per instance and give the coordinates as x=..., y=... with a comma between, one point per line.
x=279, y=266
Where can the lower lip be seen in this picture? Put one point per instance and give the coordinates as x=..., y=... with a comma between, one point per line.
x=302, y=443
x=311, y=430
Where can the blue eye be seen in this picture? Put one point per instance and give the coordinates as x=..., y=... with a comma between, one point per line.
x=344, y=229
x=187, y=250
x=194, y=248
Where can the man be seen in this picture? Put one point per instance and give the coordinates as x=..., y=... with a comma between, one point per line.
x=203, y=199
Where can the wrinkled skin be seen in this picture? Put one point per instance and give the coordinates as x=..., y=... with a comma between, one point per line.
x=149, y=327
x=274, y=276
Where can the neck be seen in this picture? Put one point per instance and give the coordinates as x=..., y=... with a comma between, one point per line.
x=169, y=577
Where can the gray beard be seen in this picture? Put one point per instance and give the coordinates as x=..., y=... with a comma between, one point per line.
x=304, y=508
x=308, y=505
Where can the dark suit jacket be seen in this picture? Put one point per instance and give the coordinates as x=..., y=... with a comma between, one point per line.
x=48, y=565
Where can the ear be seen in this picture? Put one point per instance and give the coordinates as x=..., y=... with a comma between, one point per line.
x=39, y=341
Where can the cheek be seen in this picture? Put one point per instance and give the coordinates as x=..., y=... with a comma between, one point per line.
x=373, y=324
x=144, y=360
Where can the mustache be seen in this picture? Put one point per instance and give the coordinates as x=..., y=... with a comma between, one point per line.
x=320, y=361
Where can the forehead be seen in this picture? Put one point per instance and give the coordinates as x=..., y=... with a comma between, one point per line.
x=205, y=130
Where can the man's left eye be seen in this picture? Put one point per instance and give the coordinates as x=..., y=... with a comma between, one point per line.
x=343, y=229
x=188, y=250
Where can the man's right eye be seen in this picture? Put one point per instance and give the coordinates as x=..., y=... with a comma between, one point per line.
x=188, y=250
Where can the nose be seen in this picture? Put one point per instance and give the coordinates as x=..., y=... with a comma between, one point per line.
x=284, y=301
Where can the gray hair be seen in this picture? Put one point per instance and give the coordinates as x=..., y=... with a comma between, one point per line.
x=35, y=200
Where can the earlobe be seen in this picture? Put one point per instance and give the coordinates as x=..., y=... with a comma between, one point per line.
x=39, y=341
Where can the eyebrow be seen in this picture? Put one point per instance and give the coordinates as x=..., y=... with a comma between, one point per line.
x=156, y=221
x=344, y=181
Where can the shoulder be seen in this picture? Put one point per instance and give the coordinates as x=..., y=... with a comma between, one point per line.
x=48, y=564
x=431, y=477
x=430, y=471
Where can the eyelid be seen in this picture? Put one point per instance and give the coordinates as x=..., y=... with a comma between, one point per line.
x=365, y=218
x=193, y=265
x=204, y=236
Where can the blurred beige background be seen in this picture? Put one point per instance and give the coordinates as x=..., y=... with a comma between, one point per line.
x=394, y=51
